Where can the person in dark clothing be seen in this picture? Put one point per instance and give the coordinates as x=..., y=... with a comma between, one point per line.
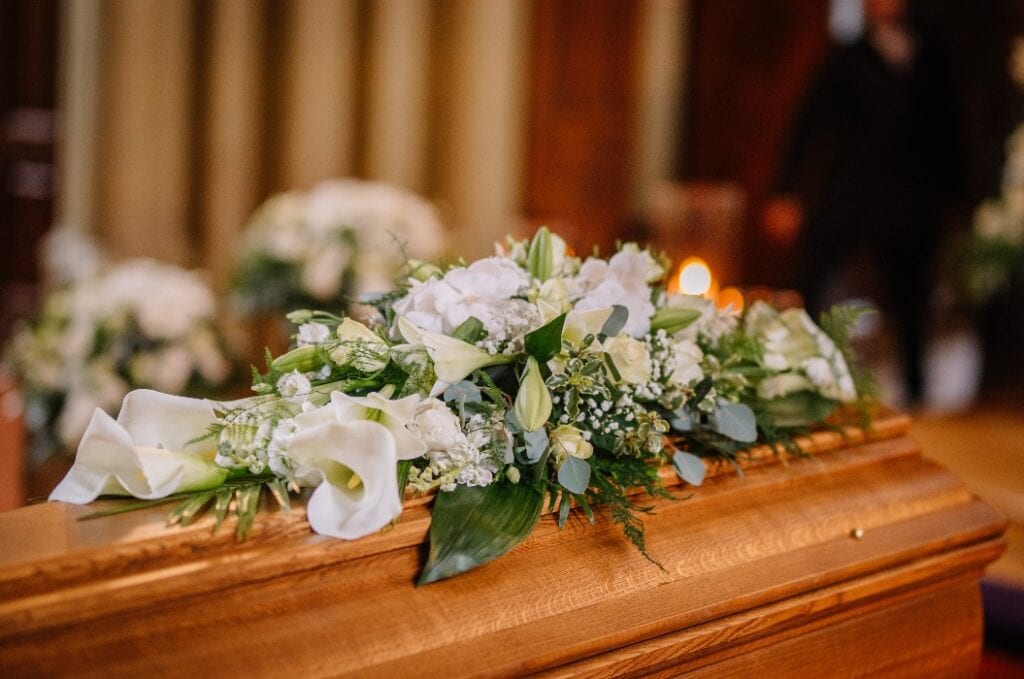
x=872, y=164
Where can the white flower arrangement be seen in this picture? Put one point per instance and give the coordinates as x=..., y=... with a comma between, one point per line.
x=343, y=238
x=109, y=330
x=993, y=256
x=525, y=375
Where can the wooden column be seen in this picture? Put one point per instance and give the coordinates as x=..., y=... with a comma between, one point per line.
x=582, y=89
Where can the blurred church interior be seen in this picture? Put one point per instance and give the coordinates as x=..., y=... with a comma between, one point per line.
x=157, y=128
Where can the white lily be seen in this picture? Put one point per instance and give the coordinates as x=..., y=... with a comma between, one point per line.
x=579, y=324
x=395, y=416
x=147, y=452
x=455, y=359
x=358, y=492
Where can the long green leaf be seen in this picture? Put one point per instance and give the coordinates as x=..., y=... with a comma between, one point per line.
x=471, y=526
x=187, y=510
x=221, y=506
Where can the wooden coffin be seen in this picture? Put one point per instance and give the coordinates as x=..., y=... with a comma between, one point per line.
x=861, y=559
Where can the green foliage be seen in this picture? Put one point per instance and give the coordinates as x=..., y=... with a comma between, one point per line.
x=243, y=492
x=799, y=409
x=838, y=323
x=546, y=341
x=610, y=482
x=616, y=322
x=574, y=475
x=470, y=526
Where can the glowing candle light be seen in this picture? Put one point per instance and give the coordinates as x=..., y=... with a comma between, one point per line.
x=694, y=276
x=730, y=297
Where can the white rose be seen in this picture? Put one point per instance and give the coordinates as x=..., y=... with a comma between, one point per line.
x=567, y=441
x=630, y=357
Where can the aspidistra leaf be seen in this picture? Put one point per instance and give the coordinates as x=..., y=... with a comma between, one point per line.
x=472, y=525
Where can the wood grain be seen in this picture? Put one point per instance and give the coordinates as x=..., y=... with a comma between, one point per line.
x=760, y=573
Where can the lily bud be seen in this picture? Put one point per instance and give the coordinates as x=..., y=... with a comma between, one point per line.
x=539, y=259
x=303, y=359
x=672, y=320
x=300, y=316
x=533, y=402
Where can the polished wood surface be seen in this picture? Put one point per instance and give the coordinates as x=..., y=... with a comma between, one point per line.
x=762, y=574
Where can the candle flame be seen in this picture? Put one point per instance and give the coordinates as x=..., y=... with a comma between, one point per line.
x=730, y=297
x=694, y=276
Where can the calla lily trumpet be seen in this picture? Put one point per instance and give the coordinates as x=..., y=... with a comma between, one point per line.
x=393, y=415
x=148, y=452
x=358, y=492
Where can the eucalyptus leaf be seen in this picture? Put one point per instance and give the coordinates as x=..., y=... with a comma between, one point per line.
x=546, y=341
x=735, y=421
x=536, y=444
x=689, y=467
x=616, y=322
x=683, y=420
x=574, y=475
x=463, y=391
x=799, y=409
x=472, y=525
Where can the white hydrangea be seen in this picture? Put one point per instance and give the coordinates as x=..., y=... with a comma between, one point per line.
x=623, y=280
x=442, y=304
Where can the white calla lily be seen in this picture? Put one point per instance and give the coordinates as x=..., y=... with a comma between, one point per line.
x=395, y=416
x=358, y=492
x=148, y=452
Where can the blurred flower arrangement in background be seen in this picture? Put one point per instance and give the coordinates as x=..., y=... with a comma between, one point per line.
x=320, y=248
x=104, y=329
x=993, y=255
